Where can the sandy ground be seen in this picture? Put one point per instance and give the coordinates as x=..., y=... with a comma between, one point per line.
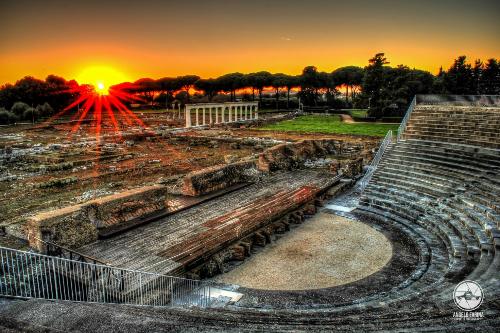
x=325, y=251
x=346, y=118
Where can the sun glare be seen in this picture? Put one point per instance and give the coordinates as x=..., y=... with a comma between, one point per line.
x=101, y=77
x=101, y=88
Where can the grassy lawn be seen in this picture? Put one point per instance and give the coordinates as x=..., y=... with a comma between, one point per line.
x=330, y=124
x=359, y=113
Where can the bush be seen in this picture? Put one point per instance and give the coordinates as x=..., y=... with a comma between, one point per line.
x=44, y=110
x=7, y=117
x=19, y=108
x=30, y=114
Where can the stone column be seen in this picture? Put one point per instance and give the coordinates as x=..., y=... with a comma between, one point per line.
x=187, y=114
x=197, y=117
x=210, y=115
x=216, y=114
x=246, y=112
x=230, y=114
x=203, y=123
x=256, y=112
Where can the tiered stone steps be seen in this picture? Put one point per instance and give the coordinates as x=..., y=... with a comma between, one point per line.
x=450, y=190
x=455, y=124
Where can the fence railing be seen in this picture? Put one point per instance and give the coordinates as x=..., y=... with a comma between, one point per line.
x=374, y=163
x=53, y=249
x=405, y=119
x=453, y=100
x=32, y=275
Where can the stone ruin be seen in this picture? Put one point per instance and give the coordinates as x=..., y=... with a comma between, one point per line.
x=81, y=224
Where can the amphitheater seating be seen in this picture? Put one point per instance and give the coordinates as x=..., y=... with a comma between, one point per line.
x=456, y=124
x=444, y=177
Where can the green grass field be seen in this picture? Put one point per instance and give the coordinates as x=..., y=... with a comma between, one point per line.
x=330, y=124
x=361, y=113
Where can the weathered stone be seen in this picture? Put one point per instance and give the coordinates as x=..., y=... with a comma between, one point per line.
x=230, y=158
x=309, y=209
x=217, y=178
x=74, y=226
x=260, y=239
x=238, y=252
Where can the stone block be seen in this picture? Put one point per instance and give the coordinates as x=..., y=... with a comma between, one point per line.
x=77, y=225
x=218, y=177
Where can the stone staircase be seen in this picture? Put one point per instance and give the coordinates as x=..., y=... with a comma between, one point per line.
x=455, y=124
x=443, y=182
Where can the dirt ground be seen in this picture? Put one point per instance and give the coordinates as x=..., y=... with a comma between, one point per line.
x=50, y=167
x=56, y=164
x=325, y=251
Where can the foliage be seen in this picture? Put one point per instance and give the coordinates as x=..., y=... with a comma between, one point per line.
x=350, y=77
x=19, y=108
x=330, y=124
x=7, y=117
x=386, y=90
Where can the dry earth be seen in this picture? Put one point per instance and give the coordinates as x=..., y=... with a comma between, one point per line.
x=326, y=251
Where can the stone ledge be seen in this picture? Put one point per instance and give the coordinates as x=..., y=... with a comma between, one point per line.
x=76, y=225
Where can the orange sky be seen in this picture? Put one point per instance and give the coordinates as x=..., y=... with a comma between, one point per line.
x=169, y=38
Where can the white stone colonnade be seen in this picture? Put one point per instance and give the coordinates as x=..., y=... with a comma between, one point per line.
x=219, y=113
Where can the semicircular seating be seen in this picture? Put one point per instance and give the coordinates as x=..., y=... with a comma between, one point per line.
x=444, y=176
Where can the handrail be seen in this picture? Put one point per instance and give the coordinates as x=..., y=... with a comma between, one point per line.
x=33, y=275
x=404, y=122
x=375, y=161
x=72, y=253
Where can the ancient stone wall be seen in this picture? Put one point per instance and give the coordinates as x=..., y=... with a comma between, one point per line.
x=285, y=156
x=289, y=156
x=218, y=177
x=77, y=225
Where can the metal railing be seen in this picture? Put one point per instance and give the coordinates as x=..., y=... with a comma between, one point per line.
x=405, y=119
x=374, y=163
x=32, y=275
x=53, y=249
x=452, y=100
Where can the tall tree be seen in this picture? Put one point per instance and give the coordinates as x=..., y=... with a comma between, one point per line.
x=310, y=83
x=258, y=81
x=458, y=80
x=489, y=82
x=292, y=81
x=350, y=77
x=373, y=83
x=210, y=87
x=148, y=88
x=279, y=81
x=186, y=82
x=230, y=83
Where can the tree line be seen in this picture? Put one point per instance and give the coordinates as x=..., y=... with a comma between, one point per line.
x=384, y=90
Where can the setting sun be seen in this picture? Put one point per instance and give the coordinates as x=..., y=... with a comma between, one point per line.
x=101, y=77
x=101, y=88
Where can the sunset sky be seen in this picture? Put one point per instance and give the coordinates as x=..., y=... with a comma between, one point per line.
x=127, y=41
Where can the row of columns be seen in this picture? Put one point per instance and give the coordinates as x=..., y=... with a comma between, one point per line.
x=217, y=113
